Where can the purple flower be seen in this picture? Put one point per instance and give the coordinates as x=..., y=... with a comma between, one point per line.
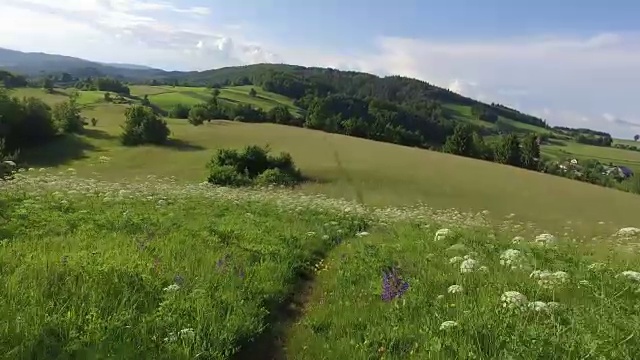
x=392, y=285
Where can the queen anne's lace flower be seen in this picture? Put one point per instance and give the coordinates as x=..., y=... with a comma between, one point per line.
x=545, y=240
x=538, y=306
x=455, y=289
x=513, y=300
x=549, y=280
x=172, y=288
x=442, y=234
x=455, y=260
x=597, y=266
x=469, y=265
x=512, y=258
x=631, y=275
x=628, y=232
x=448, y=325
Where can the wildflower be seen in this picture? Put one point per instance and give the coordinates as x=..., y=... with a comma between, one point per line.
x=545, y=240
x=325, y=237
x=449, y=324
x=187, y=333
x=362, y=233
x=393, y=286
x=439, y=297
x=442, y=234
x=468, y=266
x=517, y=240
x=584, y=282
x=483, y=268
x=631, y=275
x=455, y=289
x=172, y=337
x=511, y=258
x=547, y=279
x=538, y=306
x=172, y=288
x=455, y=260
x=552, y=305
x=513, y=300
x=628, y=232
x=597, y=266
x=311, y=233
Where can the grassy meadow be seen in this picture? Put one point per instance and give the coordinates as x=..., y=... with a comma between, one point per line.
x=108, y=251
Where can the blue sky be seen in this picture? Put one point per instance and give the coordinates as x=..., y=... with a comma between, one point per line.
x=575, y=63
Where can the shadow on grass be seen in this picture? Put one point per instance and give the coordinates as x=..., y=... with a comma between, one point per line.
x=60, y=151
x=98, y=134
x=181, y=145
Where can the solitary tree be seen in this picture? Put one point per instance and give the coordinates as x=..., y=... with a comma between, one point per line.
x=253, y=92
x=198, y=114
x=143, y=126
x=48, y=85
x=636, y=138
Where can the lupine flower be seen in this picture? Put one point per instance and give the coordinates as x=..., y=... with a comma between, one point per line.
x=455, y=289
x=393, y=286
x=448, y=325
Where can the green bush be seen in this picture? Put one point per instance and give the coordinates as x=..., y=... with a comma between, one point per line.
x=226, y=175
x=180, y=111
x=143, y=126
x=252, y=165
x=67, y=116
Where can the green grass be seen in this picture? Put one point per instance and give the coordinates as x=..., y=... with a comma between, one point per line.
x=346, y=167
x=626, y=142
x=163, y=270
x=346, y=319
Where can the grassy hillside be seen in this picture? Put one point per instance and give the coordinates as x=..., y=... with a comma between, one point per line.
x=379, y=173
x=605, y=155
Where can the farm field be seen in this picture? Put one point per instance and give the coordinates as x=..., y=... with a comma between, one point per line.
x=603, y=154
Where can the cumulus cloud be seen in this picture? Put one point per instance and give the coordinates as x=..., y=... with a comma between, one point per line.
x=568, y=80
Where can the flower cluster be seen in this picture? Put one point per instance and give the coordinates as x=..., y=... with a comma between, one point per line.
x=512, y=258
x=442, y=234
x=548, y=279
x=513, y=300
x=545, y=240
x=393, y=286
x=455, y=289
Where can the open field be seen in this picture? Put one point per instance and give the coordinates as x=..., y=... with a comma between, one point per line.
x=605, y=155
x=163, y=270
x=351, y=168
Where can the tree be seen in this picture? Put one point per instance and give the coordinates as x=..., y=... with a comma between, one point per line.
x=215, y=92
x=179, y=111
x=143, y=126
x=107, y=97
x=145, y=100
x=508, y=150
x=460, y=142
x=48, y=85
x=198, y=114
x=253, y=92
x=279, y=115
x=530, y=151
x=636, y=137
x=67, y=116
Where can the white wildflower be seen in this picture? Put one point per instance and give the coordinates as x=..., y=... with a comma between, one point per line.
x=442, y=234
x=513, y=300
x=187, y=333
x=552, y=305
x=10, y=163
x=448, y=325
x=457, y=247
x=545, y=240
x=468, y=266
x=597, y=266
x=362, y=233
x=631, y=275
x=455, y=289
x=512, y=258
x=325, y=237
x=172, y=337
x=483, y=269
x=172, y=288
x=517, y=240
x=584, y=282
x=311, y=233
x=549, y=280
x=439, y=297
x=628, y=232
x=455, y=260
x=538, y=306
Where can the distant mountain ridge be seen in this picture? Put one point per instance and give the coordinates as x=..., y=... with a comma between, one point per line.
x=38, y=63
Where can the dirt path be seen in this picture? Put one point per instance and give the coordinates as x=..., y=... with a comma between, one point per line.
x=270, y=345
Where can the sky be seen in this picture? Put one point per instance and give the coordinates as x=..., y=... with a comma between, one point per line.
x=573, y=62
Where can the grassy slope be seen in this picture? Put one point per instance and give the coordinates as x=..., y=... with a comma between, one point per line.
x=602, y=154
x=363, y=167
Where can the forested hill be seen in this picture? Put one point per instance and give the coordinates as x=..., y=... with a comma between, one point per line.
x=395, y=108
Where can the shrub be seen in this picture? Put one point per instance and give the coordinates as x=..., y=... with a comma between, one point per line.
x=143, y=126
x=180, y=111
x=227, y=175
x=198, y=115
x=67, y=116
x=253, y=165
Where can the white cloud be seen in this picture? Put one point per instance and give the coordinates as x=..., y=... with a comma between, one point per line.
x=569, y=80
